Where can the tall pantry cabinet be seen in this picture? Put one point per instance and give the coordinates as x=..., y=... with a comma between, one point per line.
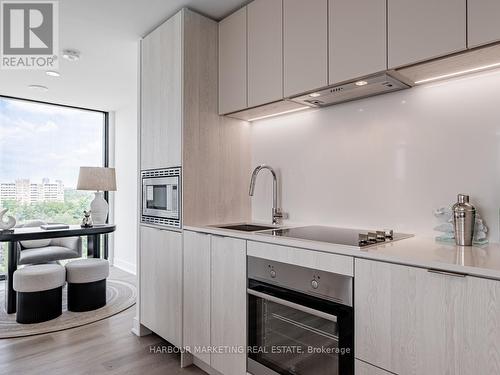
x=180, y=127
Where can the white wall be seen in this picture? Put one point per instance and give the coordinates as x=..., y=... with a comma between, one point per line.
x=125, y=198
x=386, y=161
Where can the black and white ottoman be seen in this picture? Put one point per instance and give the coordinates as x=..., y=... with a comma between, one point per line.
x=86, y=284
x=39, y=292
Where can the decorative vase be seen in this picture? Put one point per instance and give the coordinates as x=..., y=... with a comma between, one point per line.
x=99, y=208
x=9, y=224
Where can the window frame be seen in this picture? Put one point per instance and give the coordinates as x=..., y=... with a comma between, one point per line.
x=105, y=156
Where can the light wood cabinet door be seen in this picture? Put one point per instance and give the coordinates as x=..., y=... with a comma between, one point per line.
x=483, y=22
x=424, y=29
x=150, y=100
x=363, y=368
x=229, y=304
x=412, y=321
x=233, y=62
x=357, y=38
x=265, y=51
x=407, y=320
x=161, y=96
x=480, y=345
x=305, y=46
x=161, y=283
x=196, y=311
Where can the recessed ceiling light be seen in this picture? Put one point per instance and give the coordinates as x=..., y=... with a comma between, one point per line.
x=39, y=88
x=71, y=54
x=361, y=83
x=314, y=94
x=52, y=73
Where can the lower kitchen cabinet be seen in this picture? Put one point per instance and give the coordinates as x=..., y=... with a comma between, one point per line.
x=161, y=283
x=197, y=290
x=215, y=280
x=228, y=305
x=411, y=320
x=363, y=368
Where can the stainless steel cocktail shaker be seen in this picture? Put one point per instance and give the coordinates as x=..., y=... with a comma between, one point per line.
x=464, y=218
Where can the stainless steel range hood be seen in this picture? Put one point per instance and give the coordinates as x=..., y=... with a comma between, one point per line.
x=369, y=86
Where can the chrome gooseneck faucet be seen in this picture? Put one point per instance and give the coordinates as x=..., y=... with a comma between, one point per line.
x=277, y=214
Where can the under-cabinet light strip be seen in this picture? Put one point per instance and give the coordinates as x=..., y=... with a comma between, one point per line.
x=279, y=113
x=449, y=75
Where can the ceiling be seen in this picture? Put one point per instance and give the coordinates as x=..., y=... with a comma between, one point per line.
x=106, y=32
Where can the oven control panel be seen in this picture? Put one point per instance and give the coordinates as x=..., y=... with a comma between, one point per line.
x=332, y=286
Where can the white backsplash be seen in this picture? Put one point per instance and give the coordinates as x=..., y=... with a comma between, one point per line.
x=387, y=161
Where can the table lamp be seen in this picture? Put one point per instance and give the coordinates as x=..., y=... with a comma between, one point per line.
x=98, y=179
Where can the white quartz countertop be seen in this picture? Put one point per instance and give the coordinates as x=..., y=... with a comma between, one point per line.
x=417, y=251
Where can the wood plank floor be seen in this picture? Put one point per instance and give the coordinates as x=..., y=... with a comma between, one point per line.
x=104, y=347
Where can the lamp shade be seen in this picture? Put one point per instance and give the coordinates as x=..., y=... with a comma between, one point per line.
x=96, y=178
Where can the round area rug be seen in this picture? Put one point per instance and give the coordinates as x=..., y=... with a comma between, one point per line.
x=120, y=295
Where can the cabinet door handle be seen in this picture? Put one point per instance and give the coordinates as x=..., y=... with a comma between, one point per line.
x=447, y=273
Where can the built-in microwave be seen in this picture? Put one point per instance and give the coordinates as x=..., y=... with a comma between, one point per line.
x=161, y=197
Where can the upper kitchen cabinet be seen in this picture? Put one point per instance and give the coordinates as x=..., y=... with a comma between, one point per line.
x=265, y=51
x=357, y=38
x=305, y=46
x=483, y=25
x=233, y=62
x=161, y=96
x=424, y=29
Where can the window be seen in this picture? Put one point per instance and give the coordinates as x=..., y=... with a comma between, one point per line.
x=42, y=147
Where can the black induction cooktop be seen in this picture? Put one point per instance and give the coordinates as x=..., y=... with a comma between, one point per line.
x=340, y=236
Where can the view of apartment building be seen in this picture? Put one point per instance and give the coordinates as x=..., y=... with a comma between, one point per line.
x=24, y=191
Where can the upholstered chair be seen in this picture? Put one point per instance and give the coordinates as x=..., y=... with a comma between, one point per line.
x=47, y=250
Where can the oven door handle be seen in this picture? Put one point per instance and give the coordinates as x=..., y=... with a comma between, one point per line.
x=307, y=310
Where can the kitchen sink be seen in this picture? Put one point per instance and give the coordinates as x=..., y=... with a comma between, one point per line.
x=247, y=227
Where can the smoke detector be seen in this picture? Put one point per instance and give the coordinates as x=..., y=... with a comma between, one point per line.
x=52, y=73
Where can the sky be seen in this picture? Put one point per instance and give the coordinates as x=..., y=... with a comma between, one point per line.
x=42, y=140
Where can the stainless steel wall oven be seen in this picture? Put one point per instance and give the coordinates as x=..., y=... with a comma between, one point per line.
x=300, y=320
